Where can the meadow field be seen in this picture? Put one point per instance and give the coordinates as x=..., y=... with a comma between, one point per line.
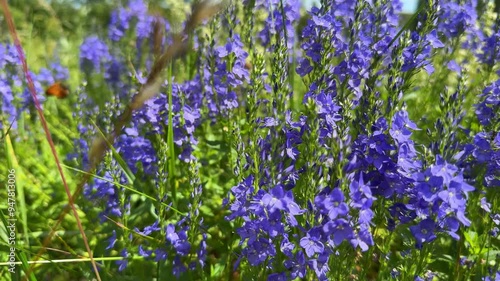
x=249, y=140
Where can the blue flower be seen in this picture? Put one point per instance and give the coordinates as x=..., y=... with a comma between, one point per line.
x=429, y=189
x=487, y=108
x=258, y=251
x=451, y=226
x=320, y=266
x=455, y=19
x=400, y=127
x=60, y=72
x=7, y=106
x=333, y=204
x=400, y=212
x=443, y=169
x=93, y=53
x=278, y=199
x=144, y=26
x=149, y=229
x=202, y=251
x=122, y=264
x=496, y=277
x=297, y=266
x=119, y=24
x=434, y=40
x=489, y=51
x=363, y=239
x=8, y=55
x=406, y=158
x=277, y=277
x=485, y=205
x=112, y=241
x=144, y=253
x=453, y=197
x=136, y=149
x=178, y=267
x=339, y=229
x=423, y=232
x=360, y=193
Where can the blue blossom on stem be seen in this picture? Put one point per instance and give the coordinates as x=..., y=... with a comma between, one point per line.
x=311, y=242
x=119, y=24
